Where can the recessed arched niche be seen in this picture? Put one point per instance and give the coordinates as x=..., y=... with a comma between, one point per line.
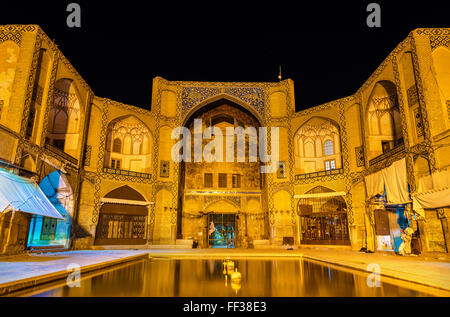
x=64, y=120
x=317, y=146
x=383, y=119
x=128, y=145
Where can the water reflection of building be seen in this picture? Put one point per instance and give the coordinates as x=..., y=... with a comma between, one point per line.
x=51, y=123
x=200, y=278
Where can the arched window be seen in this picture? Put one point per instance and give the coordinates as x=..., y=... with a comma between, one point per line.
x=328, y=147
x=117, y=146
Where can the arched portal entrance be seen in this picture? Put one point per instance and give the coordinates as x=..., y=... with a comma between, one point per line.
x=323, y=217
x=45, y=231
x=233, y=182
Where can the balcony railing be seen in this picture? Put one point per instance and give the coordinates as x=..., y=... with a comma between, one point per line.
x=126, y=173
x=61, y=153
x=319, y=174
x=389, y=153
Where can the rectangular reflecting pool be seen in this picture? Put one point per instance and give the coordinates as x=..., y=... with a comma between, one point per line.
x=256, y=277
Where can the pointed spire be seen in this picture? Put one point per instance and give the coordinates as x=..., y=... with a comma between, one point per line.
x=279, y=74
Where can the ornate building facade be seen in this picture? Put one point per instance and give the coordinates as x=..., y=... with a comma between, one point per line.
x=109, y=165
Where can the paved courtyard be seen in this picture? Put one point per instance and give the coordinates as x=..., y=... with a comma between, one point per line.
x=24, y=270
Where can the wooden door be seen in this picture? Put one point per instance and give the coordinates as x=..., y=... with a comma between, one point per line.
x=381, y=222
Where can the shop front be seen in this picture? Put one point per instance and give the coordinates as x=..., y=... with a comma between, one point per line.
x=47, y=231
x=323, y=217
x=123, y=220
x=20, y=200
x=389, y=223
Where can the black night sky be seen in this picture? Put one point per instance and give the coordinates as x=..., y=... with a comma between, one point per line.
x=326, y=48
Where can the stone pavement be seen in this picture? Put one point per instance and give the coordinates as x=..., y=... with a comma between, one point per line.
x=28, y=270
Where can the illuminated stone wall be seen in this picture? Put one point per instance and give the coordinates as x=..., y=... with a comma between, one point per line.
x=38, y=85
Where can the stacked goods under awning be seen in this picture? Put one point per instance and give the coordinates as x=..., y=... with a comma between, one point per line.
x=21, y=194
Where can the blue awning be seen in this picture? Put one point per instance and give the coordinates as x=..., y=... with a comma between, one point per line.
x=19, y=193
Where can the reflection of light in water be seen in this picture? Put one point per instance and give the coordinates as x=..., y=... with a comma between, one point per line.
x=236, y=281
x=235, y=286
x=230, y=267
x=235, y=276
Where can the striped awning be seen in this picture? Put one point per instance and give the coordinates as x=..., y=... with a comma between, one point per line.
x=126, y=202
x=21, y=194
x=321, y=195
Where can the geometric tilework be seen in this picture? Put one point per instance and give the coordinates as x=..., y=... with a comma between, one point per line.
x=437, y=41
x=14, y=32
x=448, y=108
x=209, y=199
x=192, y=96
x=16, y=37
x=412, y=95
x=359, y=152
x=253, y=96
x=438, y=36
x=418, y=122
x=87, y=155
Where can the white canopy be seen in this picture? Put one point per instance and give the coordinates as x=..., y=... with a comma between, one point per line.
x=393, y=179
x=19, y=193
x=434, y=191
